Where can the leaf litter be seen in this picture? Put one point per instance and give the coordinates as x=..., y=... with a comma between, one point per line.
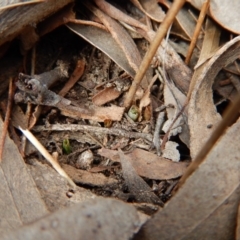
x=177, y=110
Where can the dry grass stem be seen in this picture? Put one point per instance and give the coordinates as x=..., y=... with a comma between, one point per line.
x=201, y=18
x=176, y=6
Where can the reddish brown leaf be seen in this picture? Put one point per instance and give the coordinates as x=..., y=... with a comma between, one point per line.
x=148, y=164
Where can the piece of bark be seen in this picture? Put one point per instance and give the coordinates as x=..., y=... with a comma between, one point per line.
x=20, y=200
x=99, y=218
x=16, y=19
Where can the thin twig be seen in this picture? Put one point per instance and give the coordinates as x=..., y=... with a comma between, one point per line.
x=7, y=117
x=29, y=105
x=177, y=4
x=85, y=22
x=156, y=137
x=77, y=73
x=97, y=130
x=197, y=30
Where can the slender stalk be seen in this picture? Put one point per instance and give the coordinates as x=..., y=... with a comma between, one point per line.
x=172, y=12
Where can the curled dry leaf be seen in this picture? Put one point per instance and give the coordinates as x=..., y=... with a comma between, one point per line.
x=223, y=12
x=149, y=165
x=206, y=205
x=202, y=112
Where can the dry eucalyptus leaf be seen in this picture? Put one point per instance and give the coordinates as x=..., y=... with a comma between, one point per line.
x=223, y=12
x=150, y=8
x=102, y=40
x=106, y=95
x=99, y=218
x=121, y=36
x=149, y=165
x=206, y=205
x=95, y=113
x=202, y=113
x=20, y=202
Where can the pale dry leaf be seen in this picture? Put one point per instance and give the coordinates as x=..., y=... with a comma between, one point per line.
x=202, y=114
x=171, y=152
x=99, y=218
x=206, y=205
x=223, y=12
x=149, y=165
x=20, y=202
x=210, y=42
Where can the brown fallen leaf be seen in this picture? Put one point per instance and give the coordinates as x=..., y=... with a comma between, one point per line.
x=106, y=95
x=202, y=113
x=207, y=204
x=97, y=218
x=20, y=202
x=149, y=165
x=95, y=113
x=88, y=178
